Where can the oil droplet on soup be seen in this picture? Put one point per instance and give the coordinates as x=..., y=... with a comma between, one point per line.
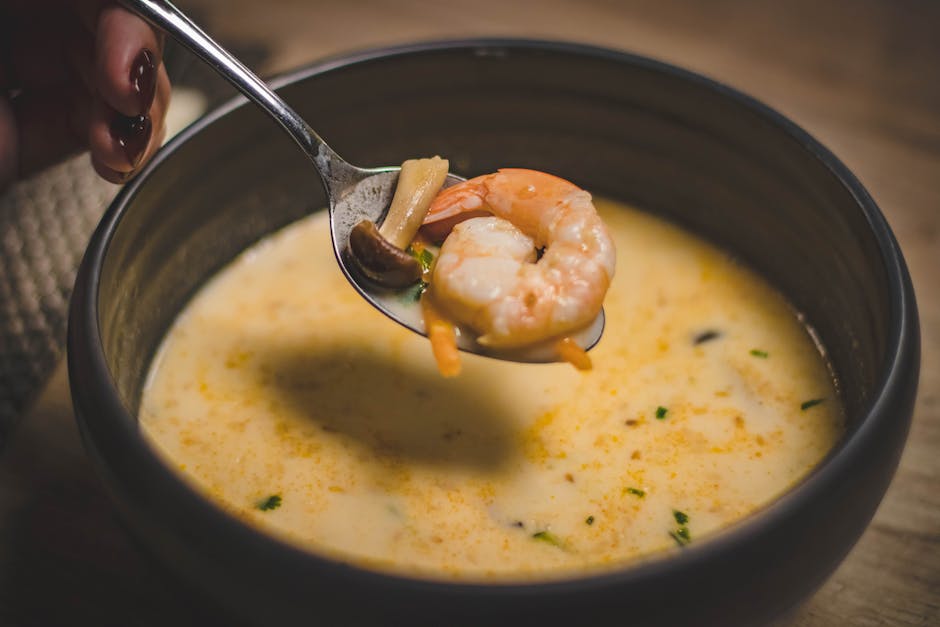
x=286, y=399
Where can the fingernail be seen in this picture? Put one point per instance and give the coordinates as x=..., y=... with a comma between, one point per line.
x=144, y=79
x=133, y=134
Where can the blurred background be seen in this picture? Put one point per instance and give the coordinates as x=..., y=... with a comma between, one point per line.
x=862, y=76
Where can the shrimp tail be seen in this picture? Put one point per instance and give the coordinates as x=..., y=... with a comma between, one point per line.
x=443, y=338
x=568, y=350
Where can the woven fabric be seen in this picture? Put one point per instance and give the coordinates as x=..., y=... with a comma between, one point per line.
x=45, y=224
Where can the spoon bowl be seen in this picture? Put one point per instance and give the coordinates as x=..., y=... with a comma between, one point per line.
x=354, y=194
x=368, y=199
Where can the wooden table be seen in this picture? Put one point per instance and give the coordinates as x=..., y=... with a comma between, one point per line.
x=862, y=76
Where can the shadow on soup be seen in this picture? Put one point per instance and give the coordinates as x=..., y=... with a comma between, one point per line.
x=291, y=403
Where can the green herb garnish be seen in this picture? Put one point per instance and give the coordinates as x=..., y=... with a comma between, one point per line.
x=756, y=352
x=681, y=536
x=413, y=294
x=424, y=258
x=661, y=412
x=272, y=502
x=589, y=520
x=549, y=537
x=812, y=403
x=636, y=492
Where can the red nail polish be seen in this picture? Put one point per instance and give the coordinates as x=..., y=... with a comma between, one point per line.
x=144, y=79
x=133, y=134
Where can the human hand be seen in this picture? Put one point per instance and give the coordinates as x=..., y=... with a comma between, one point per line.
x=76, y=75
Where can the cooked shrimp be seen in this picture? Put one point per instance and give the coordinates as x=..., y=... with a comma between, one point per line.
x=489, y=276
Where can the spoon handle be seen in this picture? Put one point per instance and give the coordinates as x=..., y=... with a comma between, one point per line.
x=165, y=16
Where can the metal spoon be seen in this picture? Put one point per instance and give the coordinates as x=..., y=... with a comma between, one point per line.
x=354, y=193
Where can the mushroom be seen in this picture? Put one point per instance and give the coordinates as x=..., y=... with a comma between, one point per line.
x=380, y=252
x=379, y=259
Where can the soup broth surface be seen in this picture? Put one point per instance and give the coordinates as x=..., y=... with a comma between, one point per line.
x=287, y=400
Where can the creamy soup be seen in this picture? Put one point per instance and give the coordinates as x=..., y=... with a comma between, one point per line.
x=291, y=403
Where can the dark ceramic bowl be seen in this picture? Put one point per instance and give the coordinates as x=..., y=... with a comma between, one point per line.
x=672, y=142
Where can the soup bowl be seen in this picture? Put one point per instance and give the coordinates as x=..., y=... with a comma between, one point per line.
x=671, y=142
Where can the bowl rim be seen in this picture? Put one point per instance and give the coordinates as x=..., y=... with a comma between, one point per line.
x=87, y=360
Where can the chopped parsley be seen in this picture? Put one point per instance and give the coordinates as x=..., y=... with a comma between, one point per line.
x=589, y=520
x=425, y=258
x=661, y=412
x=272, y=502
x=756, y=352
x=681, y=535
x=413, y=294
x=636, y=492
x=706, y=336
x=548, y=537
x=811, y=403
